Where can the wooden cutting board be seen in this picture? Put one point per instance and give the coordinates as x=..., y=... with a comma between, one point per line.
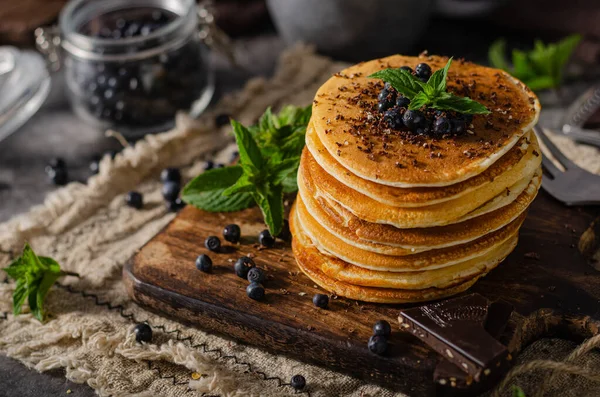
x=553, y=290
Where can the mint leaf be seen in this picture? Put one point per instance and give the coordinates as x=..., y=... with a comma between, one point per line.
x=243, y=185
x=522, y=66
x=402, y=81
x=517, y=391
x=496, y=55
x=206, y=191
x=19, y=295
x=541, y=83
x=290, y=184
x=270, y=200
x=279, y=172
x=564, y=50
x=438, y=79
x=460, y=104
x=34, y=276
x=419, y=101
x=247, y=147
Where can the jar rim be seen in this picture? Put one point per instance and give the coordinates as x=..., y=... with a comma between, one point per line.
x=77, y=12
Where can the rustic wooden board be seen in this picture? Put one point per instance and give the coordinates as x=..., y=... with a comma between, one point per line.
x=552, y=288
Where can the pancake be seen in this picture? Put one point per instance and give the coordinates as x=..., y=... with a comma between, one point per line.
x=389, y=240
x=439, y=278
x=448, y=212
x=329, y=244
x=345, y=118
x=505, y=172
x=310, y=261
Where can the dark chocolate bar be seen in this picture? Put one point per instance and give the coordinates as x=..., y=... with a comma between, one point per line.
x=447, y=375
x=455, y=329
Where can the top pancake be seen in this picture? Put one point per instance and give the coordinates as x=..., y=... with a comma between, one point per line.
x=349, y=126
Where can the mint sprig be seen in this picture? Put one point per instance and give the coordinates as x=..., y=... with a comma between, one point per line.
x=268, y=166
x=432, y=94
x=542, y=67
x=34, y=276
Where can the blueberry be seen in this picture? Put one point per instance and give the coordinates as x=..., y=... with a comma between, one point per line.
x=255, y=291
x=209, y=165
x=242, y=266
x=204, y=263
x=386, y=99
x=134, y=200
x=298, y=382
x=222, y=120
x=58, y=176
x=265, y=239
x=219, y=165
x=402, y=101
x=212, y=243
x=175, y=205
x=442, y=126
x=232, y=233
x=256, y=275
x=393, y=118
x=143, y=333
x=407, y=68
x=382, y=328
x=413, y=119
x=378, y=344
x=467, y=117
x=170, y=191
x=57, y=163
x=321, y=301
x=234, y=156
x=459, y=126
x=170, y=175
x=285, y=234
x=423, y=71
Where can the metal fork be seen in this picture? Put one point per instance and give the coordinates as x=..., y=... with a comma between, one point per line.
x=574, y=186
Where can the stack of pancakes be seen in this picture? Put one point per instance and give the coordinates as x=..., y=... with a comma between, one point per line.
x=392, y=217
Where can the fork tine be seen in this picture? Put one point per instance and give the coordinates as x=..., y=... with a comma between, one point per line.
x=550, y=167
x=553, y=149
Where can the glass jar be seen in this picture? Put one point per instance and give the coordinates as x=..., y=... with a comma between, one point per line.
x=130, y=65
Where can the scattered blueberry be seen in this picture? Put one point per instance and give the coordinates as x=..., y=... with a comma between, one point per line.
x=386, y=98
x=413, y=119
x=442, y=126
x=222, y=120
x=285, y=234
x=265, y=239
x=256, y=275
x=402, y=101
x=321, y=301
x=134, y=200
x=170, y=191
x=170, y=175
x=382, y=328
x=175, y=205
x=407, y=68
x=393, y=118
x=243, y=265
x=298, y=382
x=234, y=156
x=255, y=291
x=232, y=233
x=204, y=263
x=143, y=333
x=468, y=118
x=377, y=344
x=58, y=176
x=423, y=71
x=209, y=165
x=213, y=243
x=57, y=162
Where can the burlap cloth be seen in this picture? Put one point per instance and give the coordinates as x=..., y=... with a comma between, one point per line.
x=89, y=230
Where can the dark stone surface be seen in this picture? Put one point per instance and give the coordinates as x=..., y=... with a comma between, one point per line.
x=16, y=380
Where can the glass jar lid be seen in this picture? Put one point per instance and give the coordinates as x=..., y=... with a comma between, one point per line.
x=24, y=86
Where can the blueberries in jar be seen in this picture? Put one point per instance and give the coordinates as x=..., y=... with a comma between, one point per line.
x=423, y=71
x=413, y=119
